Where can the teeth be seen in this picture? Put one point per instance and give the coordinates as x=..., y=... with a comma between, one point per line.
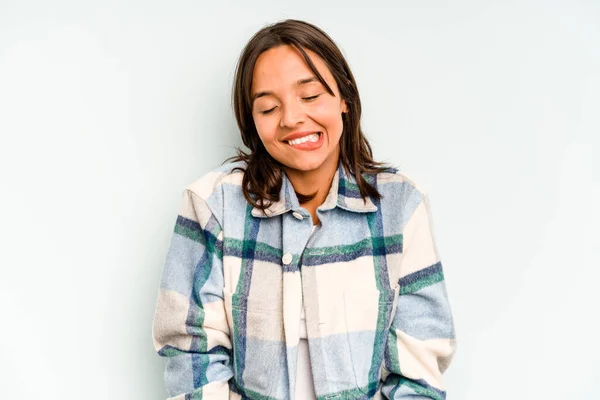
x=314, y=137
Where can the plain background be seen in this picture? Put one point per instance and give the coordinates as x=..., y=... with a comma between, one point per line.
x=109, y=109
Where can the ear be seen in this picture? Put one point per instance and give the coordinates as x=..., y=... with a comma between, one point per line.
x=344, y=107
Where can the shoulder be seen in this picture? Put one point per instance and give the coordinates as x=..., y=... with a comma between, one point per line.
x=212, y=182
x=392, y=180
x=401, y=193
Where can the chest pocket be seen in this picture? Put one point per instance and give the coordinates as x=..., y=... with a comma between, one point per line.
x=368, y=316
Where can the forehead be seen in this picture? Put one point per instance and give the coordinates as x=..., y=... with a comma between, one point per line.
x=284, y=66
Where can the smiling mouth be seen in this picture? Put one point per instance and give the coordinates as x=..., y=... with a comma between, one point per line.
x=313, y=137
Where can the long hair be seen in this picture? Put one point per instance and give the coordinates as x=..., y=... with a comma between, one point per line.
x=263, y=174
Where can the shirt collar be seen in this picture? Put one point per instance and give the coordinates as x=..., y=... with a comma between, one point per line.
x=343, y=193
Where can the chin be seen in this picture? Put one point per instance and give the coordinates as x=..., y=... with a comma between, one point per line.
x=306, y=166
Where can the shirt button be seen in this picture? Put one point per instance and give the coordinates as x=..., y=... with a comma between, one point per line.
x=287, y=258
x=297, y=215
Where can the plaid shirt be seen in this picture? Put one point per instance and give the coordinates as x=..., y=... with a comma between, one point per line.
x=377, y=314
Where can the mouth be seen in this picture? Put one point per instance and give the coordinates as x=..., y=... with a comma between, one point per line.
x=312, y=138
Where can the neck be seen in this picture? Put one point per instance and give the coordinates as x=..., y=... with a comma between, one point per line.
x=316, y=181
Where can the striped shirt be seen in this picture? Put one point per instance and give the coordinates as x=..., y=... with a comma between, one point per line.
x=378, y=319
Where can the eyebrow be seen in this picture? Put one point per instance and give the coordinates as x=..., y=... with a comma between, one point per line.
x=299, y=82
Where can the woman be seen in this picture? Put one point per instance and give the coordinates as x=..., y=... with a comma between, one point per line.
x=303, y=269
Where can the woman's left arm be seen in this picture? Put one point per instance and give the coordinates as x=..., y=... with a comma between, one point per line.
x=421, y=340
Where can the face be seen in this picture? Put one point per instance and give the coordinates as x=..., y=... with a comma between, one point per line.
x=298, y=121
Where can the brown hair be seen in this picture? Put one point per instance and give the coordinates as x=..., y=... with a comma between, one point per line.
x=263, y=174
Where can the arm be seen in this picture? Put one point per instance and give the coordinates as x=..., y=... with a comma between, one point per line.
x=421, y=339
x=190, y=327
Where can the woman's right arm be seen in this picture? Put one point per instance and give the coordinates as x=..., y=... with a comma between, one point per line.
x=190, y=326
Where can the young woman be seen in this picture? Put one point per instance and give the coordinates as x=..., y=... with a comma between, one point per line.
x=303, y=269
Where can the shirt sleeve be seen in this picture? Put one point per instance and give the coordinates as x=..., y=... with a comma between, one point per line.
x=421, y=340
x=190, y=325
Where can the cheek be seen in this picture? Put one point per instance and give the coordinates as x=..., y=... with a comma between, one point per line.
x=330, y=120
x=265, y=130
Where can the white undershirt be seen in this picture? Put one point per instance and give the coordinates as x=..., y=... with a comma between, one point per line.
x=304, y=384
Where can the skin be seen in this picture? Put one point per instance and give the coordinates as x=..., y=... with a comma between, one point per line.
x=286, y=102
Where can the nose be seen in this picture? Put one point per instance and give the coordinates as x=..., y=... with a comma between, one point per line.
x=292, y=114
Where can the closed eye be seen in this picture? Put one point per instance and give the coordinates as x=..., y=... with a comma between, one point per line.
x=311, y=97
x=268, y=111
